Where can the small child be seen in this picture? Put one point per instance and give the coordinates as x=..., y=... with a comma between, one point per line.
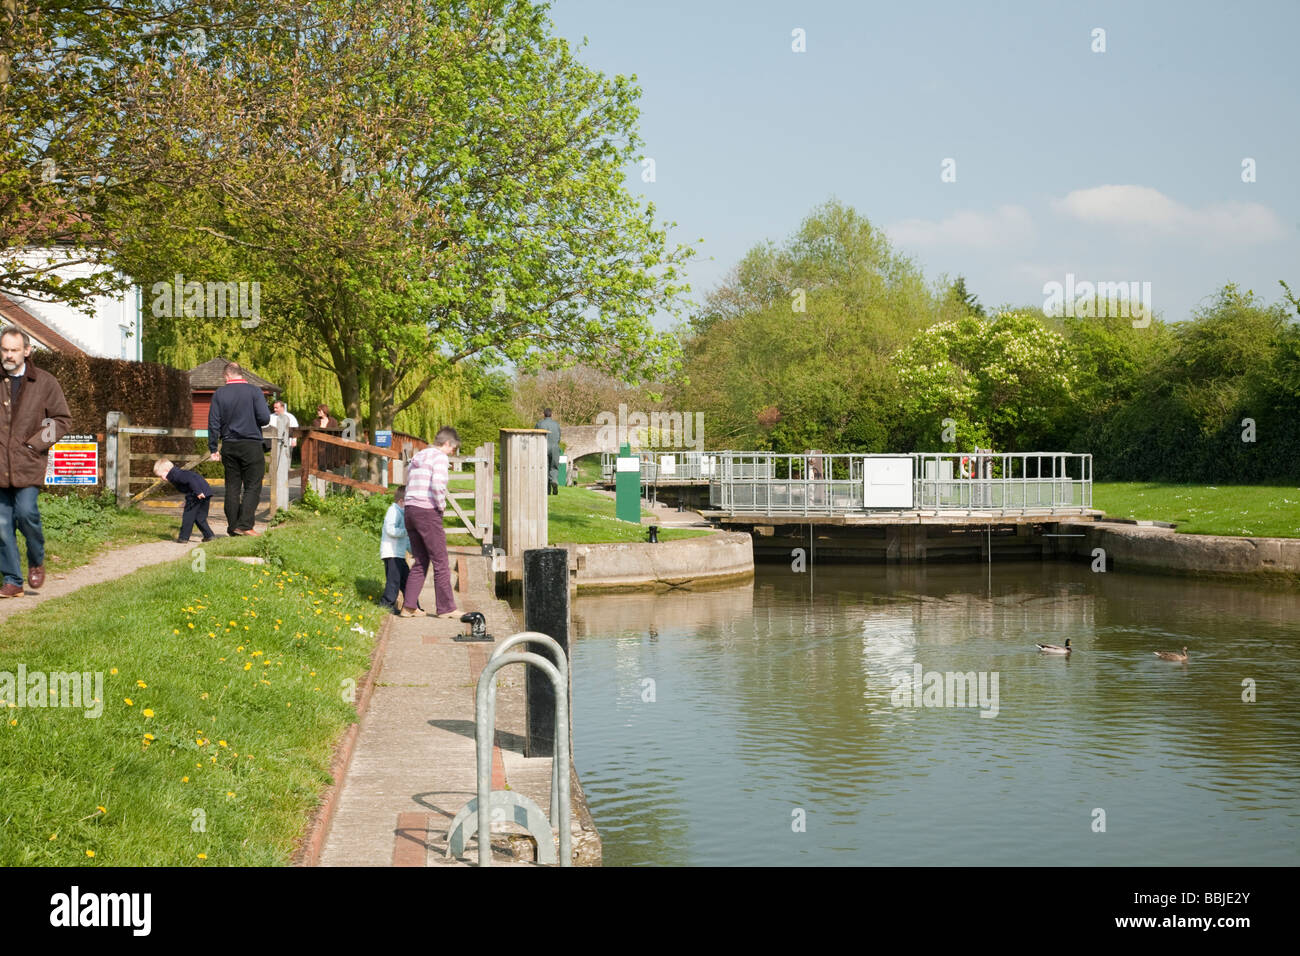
x=393, y=546
x=198, y=496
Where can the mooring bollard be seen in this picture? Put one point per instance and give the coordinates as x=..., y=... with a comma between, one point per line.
x=546, y=610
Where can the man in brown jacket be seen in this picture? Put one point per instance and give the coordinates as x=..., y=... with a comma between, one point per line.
x=33, y=416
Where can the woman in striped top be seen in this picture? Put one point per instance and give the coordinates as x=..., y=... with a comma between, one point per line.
x=426, y=499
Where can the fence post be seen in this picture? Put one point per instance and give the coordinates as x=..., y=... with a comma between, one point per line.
x=523, y=489
x=110, y=452
x=483, y=492
x=120, y=457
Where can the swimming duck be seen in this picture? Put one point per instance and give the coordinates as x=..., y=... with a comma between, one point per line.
x=1171, y=656
x=1055, y=648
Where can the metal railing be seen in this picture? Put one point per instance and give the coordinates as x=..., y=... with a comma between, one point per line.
x=478, y=815
x=823, y=484
x=666, y=466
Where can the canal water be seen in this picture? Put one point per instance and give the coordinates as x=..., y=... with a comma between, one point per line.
x=780, y=723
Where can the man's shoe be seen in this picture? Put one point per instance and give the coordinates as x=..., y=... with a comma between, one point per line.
x=11, y=590
x=252, y=532
x=36, y=576
x=235, y=534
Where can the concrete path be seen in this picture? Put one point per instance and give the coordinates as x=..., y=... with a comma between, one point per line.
x=413, y=766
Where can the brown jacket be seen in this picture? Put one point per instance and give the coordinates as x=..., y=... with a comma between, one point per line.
x=25, y=439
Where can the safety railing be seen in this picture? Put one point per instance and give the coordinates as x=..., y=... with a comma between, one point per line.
x=478, y=815
x=666, y=466
x=825, y=484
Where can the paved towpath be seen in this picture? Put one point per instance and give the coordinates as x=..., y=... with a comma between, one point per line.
x=413, y=766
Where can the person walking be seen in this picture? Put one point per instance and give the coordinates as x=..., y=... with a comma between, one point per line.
x=33, y=416
x=552, y=427
x=426, y=499
x=236, y=419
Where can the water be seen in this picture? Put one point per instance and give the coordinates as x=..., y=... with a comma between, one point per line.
x=710, y=726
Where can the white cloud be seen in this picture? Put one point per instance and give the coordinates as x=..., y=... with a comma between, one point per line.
x=1149, y=209
x=1006, y=226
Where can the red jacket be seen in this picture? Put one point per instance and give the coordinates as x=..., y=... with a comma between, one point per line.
x=25, y=439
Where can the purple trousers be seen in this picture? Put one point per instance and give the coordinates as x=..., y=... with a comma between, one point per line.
x=428, y=544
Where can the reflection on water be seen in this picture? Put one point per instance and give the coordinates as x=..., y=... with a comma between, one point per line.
x=708, y=725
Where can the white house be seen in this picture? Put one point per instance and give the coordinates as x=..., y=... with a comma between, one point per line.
x=111, y=329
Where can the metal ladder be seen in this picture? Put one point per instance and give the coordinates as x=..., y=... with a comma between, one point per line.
x=475, y=817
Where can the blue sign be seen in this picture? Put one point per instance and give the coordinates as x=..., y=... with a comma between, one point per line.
x=383, y=438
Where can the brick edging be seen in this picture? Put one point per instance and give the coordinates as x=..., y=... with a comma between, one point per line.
x=308, y=851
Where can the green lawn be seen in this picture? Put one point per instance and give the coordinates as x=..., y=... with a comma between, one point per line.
x=78, y=528
x=579, y=516
x=224, y=689
x=1262, y=511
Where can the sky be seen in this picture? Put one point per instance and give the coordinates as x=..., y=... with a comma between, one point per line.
x=1115, y=165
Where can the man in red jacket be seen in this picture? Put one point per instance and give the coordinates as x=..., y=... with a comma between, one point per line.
x=33, y=416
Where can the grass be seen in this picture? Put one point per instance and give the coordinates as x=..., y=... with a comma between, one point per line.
x=580, y=516
x=224, y=689
x=77, y=528
x=1264, y=511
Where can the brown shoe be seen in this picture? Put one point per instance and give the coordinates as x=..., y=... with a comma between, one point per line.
x=36, y=576
x=11, y=590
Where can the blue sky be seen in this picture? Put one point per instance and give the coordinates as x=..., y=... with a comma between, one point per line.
x=1123, y=165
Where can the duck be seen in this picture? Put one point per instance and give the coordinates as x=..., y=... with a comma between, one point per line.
x=1171, y=656
x=1055, y=648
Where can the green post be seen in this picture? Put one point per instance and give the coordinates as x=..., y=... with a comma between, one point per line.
x=627, y=486
x=564, y=471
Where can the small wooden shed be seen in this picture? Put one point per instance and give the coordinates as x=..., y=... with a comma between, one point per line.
x=205, y=379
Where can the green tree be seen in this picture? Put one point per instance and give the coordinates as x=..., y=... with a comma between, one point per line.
x=792, y=350
x=1003, y=382
x=412, y=185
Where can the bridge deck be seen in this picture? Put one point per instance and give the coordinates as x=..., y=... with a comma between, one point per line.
x=949, y=518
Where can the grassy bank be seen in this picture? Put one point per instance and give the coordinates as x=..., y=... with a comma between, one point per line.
x=224, y=688
x=1266, y=511
x=77, y=528
x=576, y=516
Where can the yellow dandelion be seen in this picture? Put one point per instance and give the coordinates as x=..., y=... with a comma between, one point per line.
x=147, y=712
x=221, y=743
x=230, y=793
x=141, y=684
x=203, y=696
x=129, y=701
x=150, y=737
x=112, y=670
x=54, y=836
x=248, y=665
x=185, y=779
x=102, y=809
x=203, y=856
x=90, y=853
x=174, y=631
x=14, y=722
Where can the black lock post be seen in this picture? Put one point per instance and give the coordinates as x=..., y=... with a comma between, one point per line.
x=546, y=610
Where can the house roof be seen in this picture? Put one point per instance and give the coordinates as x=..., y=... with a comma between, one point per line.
x=41, y=333
x=212, y=375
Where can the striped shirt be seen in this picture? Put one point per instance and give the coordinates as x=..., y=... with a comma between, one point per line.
x=426, y=480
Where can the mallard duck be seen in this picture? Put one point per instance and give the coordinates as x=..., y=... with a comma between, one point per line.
x=1171, y=656
x=1054, y=648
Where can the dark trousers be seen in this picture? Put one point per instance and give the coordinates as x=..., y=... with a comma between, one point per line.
x=428, y=546
x=245, y=463
x=195, y=513
x=396, y=571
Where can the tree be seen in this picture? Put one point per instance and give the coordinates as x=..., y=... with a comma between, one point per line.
x=1004, y=382
x=412, y=184
x=792, y=351
x=966, y=302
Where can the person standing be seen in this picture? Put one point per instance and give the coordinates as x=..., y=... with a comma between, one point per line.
x=278, y=409
x=33, y=416
x=426, y=499
x=393, y=545
x=236, y=419
x=552, y=427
